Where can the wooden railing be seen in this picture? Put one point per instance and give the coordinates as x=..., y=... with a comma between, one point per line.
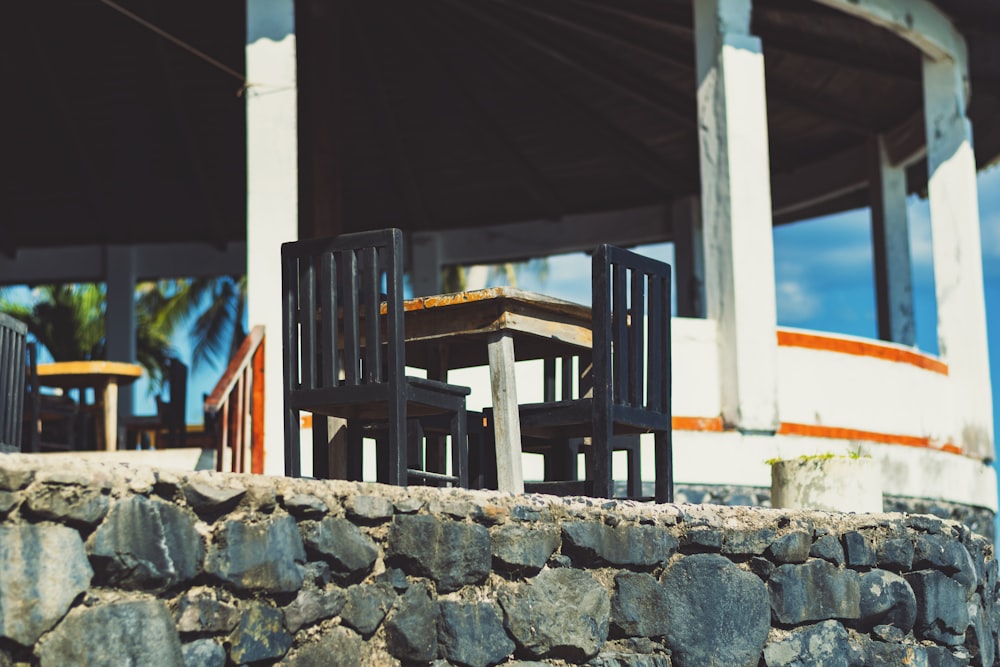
x=235, y=408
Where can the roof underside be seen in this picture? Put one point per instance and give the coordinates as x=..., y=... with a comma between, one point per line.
x=437, y=115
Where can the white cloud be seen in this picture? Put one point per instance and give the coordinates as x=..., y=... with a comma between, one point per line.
x=796, y=303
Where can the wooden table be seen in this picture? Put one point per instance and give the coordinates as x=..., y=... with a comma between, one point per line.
x=104, y=377
x=496, y=327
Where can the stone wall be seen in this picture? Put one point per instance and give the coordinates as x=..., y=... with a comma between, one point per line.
x=112, y=565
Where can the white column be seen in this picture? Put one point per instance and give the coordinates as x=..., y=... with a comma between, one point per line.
x=736, y=209
x=120, y=322
x=272, y=191
x=689, y=256
x=958, y=270
x=891, y=245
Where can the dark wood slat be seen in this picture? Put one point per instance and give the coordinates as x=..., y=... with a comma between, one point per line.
x=637, y=325
x=654, y=353
x=620, y=343
x=371, y=289
x=328, y=294
x=307, y=321
x=351, y=310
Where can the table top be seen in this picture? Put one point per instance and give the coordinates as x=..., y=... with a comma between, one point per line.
x=457, y=325
x=74, y=374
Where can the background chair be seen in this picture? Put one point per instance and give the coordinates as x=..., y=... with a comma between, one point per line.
x=344, y=354
x=623, y=389
x=168, y=425
x=51, y=422
x=13, y=350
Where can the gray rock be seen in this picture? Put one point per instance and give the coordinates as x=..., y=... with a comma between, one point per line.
x=525, y=513
x=858, y=550
x=939, y=656
x=939, y=553
x=762, y=567
x=536, y=615
x=978, y=638
x=925, y=523
x=335, y=647
x=452, y=554
x=471, y=634
x=886, y=599
x=146, y=544
x=263, y=556
x=888, y=633
x=201, y=610
x=825, y=644
x=589, y=542
x=703, y=537
x=747, y=542
x=814, y=591
x=709, y=591
x=896, y=554
x=828, y=548
x=791, y=548
x=518, y=548
x=8, y=500
x=305, y=506
x=339, y=542
x=310, y=606
x=207, y=497
x=203, y=653
x=881, y=653
x=619, y=659
x=70, y=504
x=942, y=612
x=366, y=606
x=411, y=627
x=36, y=586
x=14, y=474
x=369, y=508
x=395, y=578
x=260, y=635
x=639, y=605
x=135, y=632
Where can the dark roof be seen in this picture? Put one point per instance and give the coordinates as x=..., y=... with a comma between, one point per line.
x=445, y=113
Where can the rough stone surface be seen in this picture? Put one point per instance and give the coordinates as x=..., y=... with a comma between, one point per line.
x=43, y=568
x=340, y=543
x=471, y=634
x=791, y=548
x=8, y=500
x=858, y=550
x=14, y=474
x=895, y=554
x=588, y=542
x=263, y=556
x=886, y=599
x=260, y=635
x=825, y=644
x=369, y=508
x=517, y=548
x=136, y=632
x=73, y=504
x=411, y=627
x=979, y=639
x=617, y=659
x=640, y=606
x=813, y=591
x=203, y=653
x=748, y=541
x=305, y=506
x=452, y=554
x=939, y=656
x=366, y=606
x=146, y=544
x=310, y=606
x=949, y=556
x=207, y=497
x=942, y=612
x=201, y=610
x=828, y=548
x=709, y=591
x=535, y=615
x=335, y=647
x=881, y=653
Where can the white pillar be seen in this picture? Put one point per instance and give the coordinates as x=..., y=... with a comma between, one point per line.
x=120, y=322
x=272, y=191
x=736, y=209
x=958, y=270
x=891, y=246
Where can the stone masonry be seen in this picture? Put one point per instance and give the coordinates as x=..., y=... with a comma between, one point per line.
x=117, y=565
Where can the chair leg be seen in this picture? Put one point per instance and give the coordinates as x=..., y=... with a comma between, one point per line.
x=355, y=451
x=396, y=473
x=293, y=464
x=663, y=450
x=634, y=468
x=601, y=443
x=460, y=448
x=321, y=447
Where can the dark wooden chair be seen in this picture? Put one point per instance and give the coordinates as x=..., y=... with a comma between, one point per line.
x=51, y=423
x=623, y=388
x=13, y=351
x=344, y=353
x=168, y=424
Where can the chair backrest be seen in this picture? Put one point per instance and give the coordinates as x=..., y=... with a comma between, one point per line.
x=331, y=288
x=172, y=411
x=13, y=346
x=33, y=401
x=631, y=346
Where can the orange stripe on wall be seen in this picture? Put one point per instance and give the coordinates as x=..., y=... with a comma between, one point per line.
x=306, y=420
x=697, y=423
x=862, y=349
x=819, y=431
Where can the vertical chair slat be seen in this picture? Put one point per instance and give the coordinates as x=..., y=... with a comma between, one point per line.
x=666, y=372
x=6, y=336
x=349, y=301
x=307, y=321
x=328, y=327
x=567, y=378
x=290, y=363
x=635, y=331
x=619, y=343
x=654, y=355
x=370, y=287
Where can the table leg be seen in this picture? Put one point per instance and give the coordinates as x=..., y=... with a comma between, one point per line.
x=507, y=424
x=109, y=407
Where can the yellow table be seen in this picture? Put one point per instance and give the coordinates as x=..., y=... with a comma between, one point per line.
x=104, y=377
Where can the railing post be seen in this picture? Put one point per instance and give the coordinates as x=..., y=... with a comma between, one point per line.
x=257, y=412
